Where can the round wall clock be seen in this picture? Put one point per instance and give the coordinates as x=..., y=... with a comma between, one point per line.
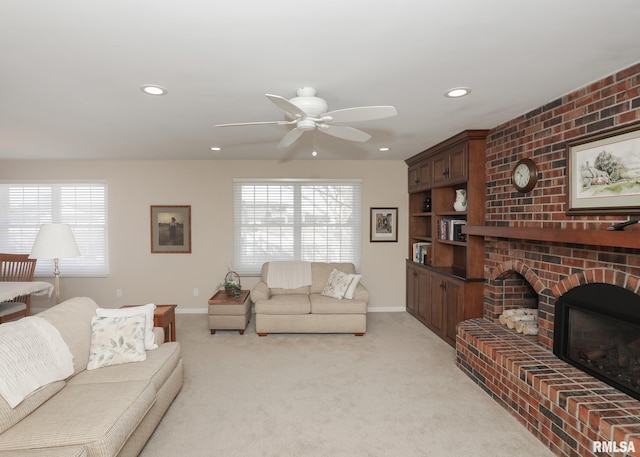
x=525, y=175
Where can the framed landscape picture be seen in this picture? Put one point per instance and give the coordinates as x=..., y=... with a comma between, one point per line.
x=384, y=225
x=604, y=173
x=170, y=229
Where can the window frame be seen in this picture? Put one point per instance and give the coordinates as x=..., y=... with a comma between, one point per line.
x=87, y=217
x=303, y=234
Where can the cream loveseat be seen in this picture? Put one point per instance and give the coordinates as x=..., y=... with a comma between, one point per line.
x=108, y=411
x=305, y=309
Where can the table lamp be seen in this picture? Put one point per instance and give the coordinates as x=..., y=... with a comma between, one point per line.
x=54, y=241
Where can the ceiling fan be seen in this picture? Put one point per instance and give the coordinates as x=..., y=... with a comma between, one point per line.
x=309, y=113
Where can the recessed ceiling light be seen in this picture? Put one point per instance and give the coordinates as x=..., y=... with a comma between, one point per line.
x=384, y=149
x=216, y=148
x=457, y=92
x=314, y=153
x=152, y=89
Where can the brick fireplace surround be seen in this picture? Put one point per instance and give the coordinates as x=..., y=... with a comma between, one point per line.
x=564, y=407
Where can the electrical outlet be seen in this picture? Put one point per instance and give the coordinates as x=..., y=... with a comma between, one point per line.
x=195, y=292
x=119, y=293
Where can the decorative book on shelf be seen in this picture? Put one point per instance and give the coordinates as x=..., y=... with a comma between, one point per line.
x=422, y=252
x=451, y=229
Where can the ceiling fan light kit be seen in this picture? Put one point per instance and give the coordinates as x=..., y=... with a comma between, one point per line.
x=309, y=113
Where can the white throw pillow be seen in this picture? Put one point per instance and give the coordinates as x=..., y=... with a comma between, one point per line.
x=147, y=310
x=352, y=286
x=337, y=284
x=116, y=340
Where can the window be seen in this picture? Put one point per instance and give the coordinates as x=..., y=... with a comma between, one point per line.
x=25, y=206
x=310, y=220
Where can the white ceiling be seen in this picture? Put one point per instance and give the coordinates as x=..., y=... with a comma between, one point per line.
x=70, y=70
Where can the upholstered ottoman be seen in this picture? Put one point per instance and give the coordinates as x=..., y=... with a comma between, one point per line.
x=229, y=313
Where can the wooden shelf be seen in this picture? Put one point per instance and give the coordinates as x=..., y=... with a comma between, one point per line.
x=452, y=242
x=621, y=239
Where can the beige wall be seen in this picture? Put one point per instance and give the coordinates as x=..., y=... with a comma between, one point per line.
x=207, y=187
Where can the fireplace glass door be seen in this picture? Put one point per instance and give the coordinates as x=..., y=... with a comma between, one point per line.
x=600, y=334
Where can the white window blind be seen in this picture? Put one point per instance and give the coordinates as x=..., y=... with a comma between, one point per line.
x=25, y=206
x=310, y=220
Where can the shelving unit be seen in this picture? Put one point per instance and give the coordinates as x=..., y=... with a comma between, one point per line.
x=449, y=287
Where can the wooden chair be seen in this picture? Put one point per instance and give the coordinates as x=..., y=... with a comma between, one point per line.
x=16, y=267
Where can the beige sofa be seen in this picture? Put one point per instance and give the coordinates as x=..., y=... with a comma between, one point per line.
x=305, y=310
x=109, y=411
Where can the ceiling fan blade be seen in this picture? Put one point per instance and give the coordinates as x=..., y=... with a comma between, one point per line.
x=290, y=138
x=287, y=106
x=344, y=132
x=256, y=123
x=360, y=113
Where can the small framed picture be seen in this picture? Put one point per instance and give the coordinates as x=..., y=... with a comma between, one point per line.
x=384, y=225
x=170, y=229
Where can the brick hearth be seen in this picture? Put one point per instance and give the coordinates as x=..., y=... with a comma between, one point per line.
x=562, y=406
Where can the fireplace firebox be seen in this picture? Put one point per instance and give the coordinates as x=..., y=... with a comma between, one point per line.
x=597, y=329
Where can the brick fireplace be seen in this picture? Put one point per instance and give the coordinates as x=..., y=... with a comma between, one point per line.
x=563, y=406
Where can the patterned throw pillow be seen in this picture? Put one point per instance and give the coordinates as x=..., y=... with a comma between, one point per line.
x=337, y=284
x=147, y=310
x=116, y=340
x=352, y=287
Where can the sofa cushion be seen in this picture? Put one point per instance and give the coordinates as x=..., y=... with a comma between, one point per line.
x=72, y=318
x=320, y=272
x=66, y=419
x=10, y=416
x=156, y=369
x=321, y=304
x=285, y=304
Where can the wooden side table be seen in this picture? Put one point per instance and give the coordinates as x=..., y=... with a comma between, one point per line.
x=229, y=313
x=164, y=316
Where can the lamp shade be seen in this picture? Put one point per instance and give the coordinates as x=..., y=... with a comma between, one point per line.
x=54, y=241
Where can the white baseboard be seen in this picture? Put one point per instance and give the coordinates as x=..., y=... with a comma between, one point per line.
x=387, y=309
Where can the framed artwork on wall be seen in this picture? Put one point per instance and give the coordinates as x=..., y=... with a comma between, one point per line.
x=384, y=225
x=170, y=229
x=603, y=173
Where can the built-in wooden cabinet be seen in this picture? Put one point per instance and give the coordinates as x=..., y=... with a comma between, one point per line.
x=444, y=281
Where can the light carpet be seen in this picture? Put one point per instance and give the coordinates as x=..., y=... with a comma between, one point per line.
x=395, y=391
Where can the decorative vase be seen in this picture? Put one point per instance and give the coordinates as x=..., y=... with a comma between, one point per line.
x=460, y=204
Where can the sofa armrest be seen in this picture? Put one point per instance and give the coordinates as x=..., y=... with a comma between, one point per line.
x=361, y=293
x=158, y=333
x=260, y=292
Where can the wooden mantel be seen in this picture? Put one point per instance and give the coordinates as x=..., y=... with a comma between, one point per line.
x=620, y=239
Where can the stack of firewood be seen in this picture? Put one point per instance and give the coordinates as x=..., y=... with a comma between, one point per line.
x=523, y=320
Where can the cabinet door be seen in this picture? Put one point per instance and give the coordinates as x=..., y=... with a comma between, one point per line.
x=414, y=178
x=437, y=303
x=424, y=291
x=458, y=165
x=412, y=290
x=453, y=296
x=420, y=176
x=450, y=167
x=425, y=175
x=440, y=165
